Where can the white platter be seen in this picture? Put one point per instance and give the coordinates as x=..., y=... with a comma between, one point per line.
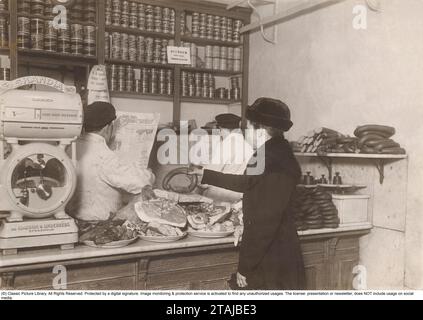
x=110, y=245
x=162, y=239
x=210, y=235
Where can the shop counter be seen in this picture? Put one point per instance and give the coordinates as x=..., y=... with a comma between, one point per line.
x=189, y=264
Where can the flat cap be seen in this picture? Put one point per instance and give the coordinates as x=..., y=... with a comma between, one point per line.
x=98, y=114
x=228, y=121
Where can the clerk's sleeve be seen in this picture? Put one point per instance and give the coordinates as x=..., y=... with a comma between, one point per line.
x=125, y=176
x=233, y=182
x=274, y=192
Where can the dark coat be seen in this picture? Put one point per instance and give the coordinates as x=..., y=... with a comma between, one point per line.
x=270, y=255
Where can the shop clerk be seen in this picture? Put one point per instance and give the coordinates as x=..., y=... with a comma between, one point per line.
x=102, y=176
x=270, y=254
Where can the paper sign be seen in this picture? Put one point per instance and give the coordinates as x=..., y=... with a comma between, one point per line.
x=178, y=55
x=98, y=78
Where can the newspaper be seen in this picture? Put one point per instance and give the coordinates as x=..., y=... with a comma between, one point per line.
x=134, y=136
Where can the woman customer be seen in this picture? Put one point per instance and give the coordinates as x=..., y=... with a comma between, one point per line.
x=270, y=254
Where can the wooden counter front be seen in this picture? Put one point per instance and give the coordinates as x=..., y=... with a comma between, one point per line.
x=191, y=264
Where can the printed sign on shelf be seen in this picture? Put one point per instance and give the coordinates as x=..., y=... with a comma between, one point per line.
x=178, y=55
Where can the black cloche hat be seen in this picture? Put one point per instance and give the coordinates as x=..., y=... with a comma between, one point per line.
x=270, y=112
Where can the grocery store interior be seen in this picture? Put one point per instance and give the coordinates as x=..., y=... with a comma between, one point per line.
x=347, y=69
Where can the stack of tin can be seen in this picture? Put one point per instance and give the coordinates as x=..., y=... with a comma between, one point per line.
x=193, y=50
x=90, y=11
x=235, y=91
x=201, y=85
x=150, y=80
x=24, y=33
x=124, y=14
x=142, y=22
x=4, y=74
x=89, y=40
x=24, y=7
x=214, y=27
x=50, y=35
x=4, y=5
x=133, y=15
x=115, y=13
x=183, y=23
x=77, y=38
x=236, y=35
x=237, y=60
x=37, y=33
x=108, y=12
x=63, y=40
x=149, y=18
x=4, y=30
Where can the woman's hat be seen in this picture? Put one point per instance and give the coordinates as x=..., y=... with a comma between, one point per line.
x=270, y=112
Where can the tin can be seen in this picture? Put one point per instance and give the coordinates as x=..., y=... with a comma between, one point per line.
x=216, y=52
x=237, y=53
x=37, y=7
x=124, y=46
x=216, y=63
x=77, y=32
x=237, y=65
x=108, y=18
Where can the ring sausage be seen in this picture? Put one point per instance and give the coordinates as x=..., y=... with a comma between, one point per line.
x=393, y=151
x=374, y=127
x=369, y=137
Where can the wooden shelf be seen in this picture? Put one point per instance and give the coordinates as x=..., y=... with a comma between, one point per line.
x=142, y=96
x=210, y=42
x=208, y=100
x=379, y=160
x=54, y=58
x=4, y=51
x=140, y=64
x=213, y=71
x=134, y=31
x=4, y=13
x=354, y=155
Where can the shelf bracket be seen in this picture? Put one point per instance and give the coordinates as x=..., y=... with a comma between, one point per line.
x=328, y=162
x=380, y=166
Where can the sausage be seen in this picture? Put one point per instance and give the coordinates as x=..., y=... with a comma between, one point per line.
x=383, y=135
x=374, y=127
x=373, y=143
x=345, y=140
x=363, y=140
x=387, y=144
x=368, y=150
x=393, y=151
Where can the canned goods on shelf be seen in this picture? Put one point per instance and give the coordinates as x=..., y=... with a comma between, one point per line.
x=4, y=74
x=24, y=7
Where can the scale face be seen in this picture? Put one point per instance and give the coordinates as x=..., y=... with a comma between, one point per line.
x=40, y=183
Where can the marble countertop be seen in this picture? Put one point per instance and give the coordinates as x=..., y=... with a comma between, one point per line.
x=28, y=257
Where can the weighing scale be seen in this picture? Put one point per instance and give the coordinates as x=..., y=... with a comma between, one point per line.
x=38, y=130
